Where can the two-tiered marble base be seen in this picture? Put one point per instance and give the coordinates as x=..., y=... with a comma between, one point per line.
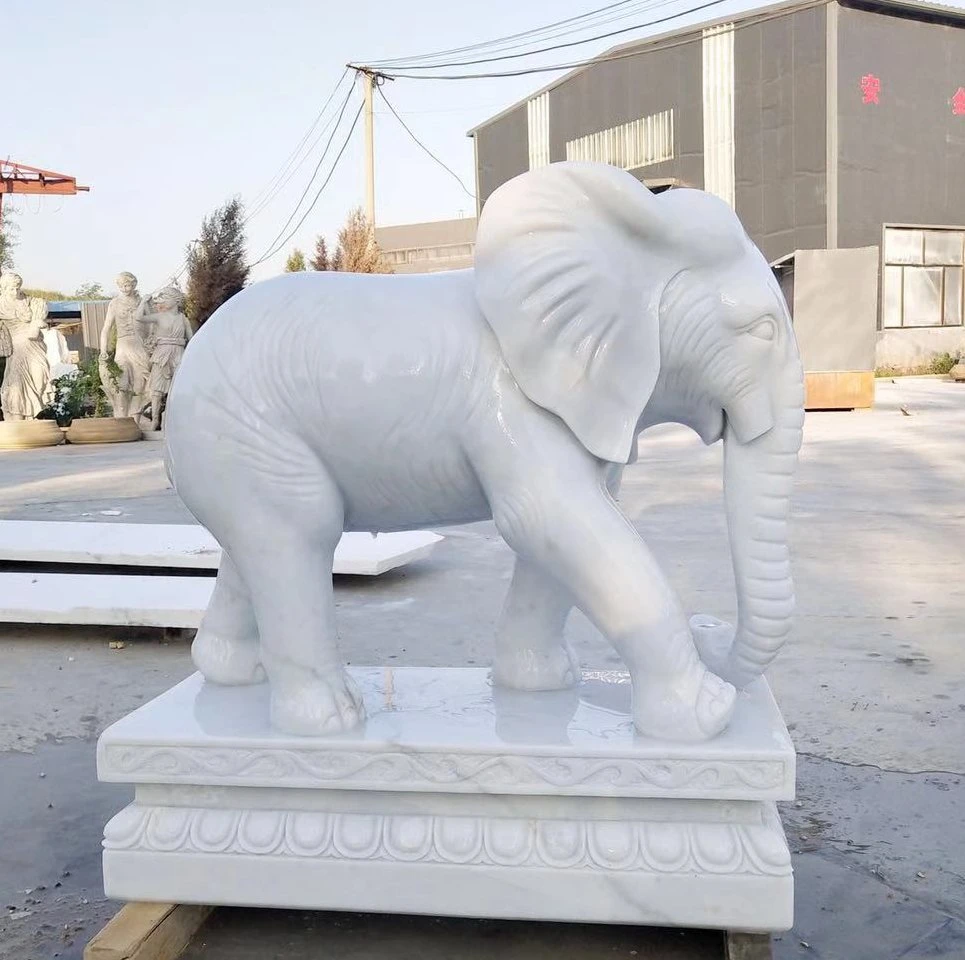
x=454, y=799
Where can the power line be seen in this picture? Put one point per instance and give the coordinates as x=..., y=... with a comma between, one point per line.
x=569, y=43
x=311, y=206
x=271, y=190
x=311, y=180
x=651, y=47
x=291, y=173
x=405, y=127
x=640, y=7
x=535, y=31
x=281, y=180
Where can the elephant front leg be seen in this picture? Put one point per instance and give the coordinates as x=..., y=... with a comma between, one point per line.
x=592, y=549
x=530, y=651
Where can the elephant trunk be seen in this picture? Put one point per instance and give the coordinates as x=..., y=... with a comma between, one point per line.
x=758, y=475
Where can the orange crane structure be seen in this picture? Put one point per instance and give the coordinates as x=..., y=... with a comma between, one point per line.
x=19, y=178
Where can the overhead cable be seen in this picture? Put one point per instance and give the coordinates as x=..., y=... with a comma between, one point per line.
x=405, y=127
x=311, y=206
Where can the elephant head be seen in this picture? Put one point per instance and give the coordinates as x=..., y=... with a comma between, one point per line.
x=616, y=309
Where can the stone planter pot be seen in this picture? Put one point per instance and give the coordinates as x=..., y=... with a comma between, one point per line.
x=27, y=434
x=103, y=430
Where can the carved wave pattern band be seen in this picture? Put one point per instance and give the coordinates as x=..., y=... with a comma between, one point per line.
x=473, y=770
x=713, y=848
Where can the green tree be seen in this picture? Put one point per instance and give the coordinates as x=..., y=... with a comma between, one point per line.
x=8, y=239
x=217, y=264
x=90, y=291
x=295, y=262
x=320, y=260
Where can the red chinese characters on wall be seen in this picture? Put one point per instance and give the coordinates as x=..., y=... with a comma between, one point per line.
x=958, y=102
x=870, y=88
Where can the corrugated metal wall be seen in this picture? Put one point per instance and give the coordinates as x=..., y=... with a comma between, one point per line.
x=606, y=96
x=93, y=315
x=780, y=132
x=538, y=130
x=502, y=151
x=902, y=158
x=718, y=105
x=639, y=143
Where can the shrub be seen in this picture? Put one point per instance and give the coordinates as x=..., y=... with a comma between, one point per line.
x=80, y=394
x=943, y=363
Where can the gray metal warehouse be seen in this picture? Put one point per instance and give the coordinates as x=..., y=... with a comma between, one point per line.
x=828, y=126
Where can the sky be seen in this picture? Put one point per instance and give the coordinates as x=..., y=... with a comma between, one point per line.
x=167, y=109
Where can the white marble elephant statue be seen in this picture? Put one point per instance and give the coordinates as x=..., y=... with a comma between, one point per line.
x=315, y=403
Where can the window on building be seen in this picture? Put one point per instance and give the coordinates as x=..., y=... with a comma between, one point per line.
x=630, y=145
x=538, y=122
x=922, y=277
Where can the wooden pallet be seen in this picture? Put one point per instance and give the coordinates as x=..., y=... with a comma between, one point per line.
x=163, y=931
x=147, y=931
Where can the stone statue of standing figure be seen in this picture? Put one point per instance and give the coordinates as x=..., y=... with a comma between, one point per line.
x=27, y=370
x=168, y=333
x=130, y=353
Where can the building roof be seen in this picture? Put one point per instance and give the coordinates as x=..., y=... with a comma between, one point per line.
x=913, y=9
x=435, y=233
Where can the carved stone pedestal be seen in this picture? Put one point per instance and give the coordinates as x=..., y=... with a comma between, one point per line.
x=453, y=799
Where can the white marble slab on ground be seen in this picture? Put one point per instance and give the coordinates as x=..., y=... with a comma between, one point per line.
x=453, y=799
x=185, y=545
x=105, y=600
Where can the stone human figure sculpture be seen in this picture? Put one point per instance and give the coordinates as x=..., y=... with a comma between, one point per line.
x=168, y=333
x=130, y=352
x=58, y=358
x=320, y=402
x=27, y=372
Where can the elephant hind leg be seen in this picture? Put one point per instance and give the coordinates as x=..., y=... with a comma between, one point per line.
x=280, y=527
x=530, y=651
x=225, y=648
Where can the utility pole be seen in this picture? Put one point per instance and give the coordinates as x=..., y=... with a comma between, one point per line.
x=368, y=84
x=369, y=79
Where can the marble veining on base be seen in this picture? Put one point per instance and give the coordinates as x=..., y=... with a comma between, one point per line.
x=449, y=730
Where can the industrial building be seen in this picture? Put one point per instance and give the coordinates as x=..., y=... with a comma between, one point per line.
x=428, y=247
x=828, y=126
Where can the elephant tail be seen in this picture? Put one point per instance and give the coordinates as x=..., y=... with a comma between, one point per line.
x=169, y=465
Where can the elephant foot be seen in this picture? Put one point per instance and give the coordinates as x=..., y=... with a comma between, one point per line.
x=226, y=660
x=693, y=705
x=307, y=704
x=526, y=668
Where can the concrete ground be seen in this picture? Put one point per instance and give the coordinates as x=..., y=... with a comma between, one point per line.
x=871, y=686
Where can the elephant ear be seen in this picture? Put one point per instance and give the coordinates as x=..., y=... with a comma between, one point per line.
x=568, y=277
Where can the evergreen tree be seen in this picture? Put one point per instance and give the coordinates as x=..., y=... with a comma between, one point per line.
x=320, y=260
x=217, y=267
x=295, y=262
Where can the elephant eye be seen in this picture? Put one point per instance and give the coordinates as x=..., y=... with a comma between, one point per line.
x=763, y=329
